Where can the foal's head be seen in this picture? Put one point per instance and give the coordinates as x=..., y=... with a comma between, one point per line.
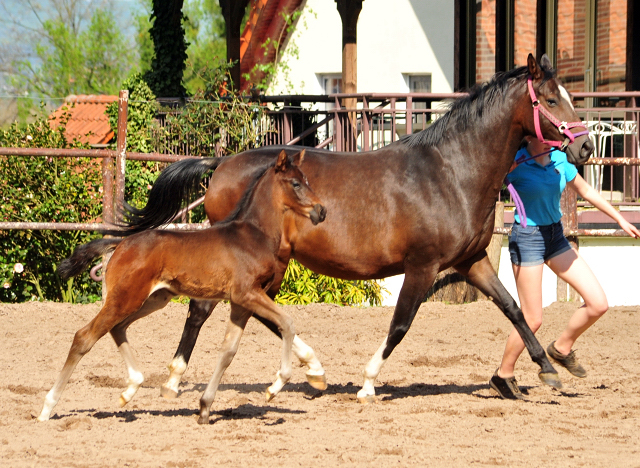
x=553, y=98
x=294, y=190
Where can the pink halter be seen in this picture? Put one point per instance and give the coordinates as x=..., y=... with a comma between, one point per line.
x=563, y=127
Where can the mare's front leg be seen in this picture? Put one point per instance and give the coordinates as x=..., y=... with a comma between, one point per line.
x=199, y=312
x=154, y=302
x=482, y=275
x=417, y=282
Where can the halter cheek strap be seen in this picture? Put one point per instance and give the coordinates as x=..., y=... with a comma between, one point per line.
x=563, y=127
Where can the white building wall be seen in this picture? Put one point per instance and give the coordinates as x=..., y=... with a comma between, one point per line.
x=613, y=260
x=394, y=38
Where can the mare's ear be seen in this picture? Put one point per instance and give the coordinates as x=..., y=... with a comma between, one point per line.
x=282, y=164
x=534, y=69
x=545, y=63
x=298, y=158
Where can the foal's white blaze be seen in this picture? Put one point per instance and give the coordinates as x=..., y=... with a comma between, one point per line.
x=565, y=95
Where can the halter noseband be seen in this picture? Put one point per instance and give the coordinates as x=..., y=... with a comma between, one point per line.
x=563, y=127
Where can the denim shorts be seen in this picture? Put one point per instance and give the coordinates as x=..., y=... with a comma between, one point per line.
x=534, y=245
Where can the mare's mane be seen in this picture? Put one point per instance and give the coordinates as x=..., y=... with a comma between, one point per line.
x=482, y=100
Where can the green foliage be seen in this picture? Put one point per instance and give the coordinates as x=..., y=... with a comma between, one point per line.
x=206, y=34
x=40, y=189
x=76, y=60
x=170, y=49
x=214, y=121
x=302, y=286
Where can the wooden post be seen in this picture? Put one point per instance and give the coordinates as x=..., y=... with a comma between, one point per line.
x=233, y=12
x=349, y=11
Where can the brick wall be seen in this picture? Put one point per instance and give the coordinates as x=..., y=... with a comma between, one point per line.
x=611, y=18
x=524, y=41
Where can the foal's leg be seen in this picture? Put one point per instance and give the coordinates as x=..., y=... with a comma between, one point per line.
x=235, y=328
x=262, y=305
x=415, y=286
x=83, y=341
x=482, y=275
x=156, y=301
x=199, y=312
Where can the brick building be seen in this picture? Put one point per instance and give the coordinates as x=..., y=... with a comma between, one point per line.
x=590, y=41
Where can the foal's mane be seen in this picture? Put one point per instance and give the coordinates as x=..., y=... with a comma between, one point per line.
x=482, y=100
x=247, y=196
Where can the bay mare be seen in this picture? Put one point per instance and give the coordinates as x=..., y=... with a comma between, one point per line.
x=235, y=260
x=417, y=206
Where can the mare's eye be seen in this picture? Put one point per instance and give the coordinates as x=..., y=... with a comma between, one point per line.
x=296, y=185
x=552, y=102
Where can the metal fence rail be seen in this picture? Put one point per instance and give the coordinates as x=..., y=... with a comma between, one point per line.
x=372, y=121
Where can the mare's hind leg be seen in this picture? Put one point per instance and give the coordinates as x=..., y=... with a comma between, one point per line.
x=199, y=312
x=481, y=274
x=154, y=302
x=416, y=284
x=235, y=328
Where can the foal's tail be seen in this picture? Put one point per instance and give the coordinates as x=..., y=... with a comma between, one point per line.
x=172, y=191
x=84, y=255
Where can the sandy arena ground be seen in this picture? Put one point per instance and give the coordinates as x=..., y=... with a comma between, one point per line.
x=435, y=407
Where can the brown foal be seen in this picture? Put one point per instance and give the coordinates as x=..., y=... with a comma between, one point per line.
x=235, y=260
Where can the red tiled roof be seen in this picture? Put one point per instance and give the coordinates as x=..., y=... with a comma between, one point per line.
x=265, y=22
x=88, y=121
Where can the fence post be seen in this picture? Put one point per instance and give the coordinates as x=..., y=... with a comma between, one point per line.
x=569, y=205
x=111, y=203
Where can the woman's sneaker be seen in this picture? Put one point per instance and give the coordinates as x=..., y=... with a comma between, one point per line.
x=567, y=361
x=506, y=388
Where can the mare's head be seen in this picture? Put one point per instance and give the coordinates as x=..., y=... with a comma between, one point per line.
x=554, y=118
x=294, y=190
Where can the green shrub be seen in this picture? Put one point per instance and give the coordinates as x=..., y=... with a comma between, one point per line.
x=44, y=189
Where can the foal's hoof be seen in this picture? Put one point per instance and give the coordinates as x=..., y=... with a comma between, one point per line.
x=168, y=393
x=551, y=378
x=319, y=382
x=269, y=395
x=203, y=419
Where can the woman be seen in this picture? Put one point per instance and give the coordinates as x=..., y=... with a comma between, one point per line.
x=540, y=182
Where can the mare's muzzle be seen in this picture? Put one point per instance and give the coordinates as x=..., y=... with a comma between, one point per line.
x=317, y=214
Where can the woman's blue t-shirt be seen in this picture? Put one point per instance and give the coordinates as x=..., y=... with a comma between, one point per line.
x=540, y=188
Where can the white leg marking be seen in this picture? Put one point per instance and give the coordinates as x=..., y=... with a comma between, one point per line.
x=315, y=373
x=176, y=369
x=368, y=391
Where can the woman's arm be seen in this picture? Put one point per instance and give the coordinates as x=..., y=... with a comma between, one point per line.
x=586, y=191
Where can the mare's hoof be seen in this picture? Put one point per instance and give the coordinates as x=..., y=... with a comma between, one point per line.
x=203, y=419
x=122, y=401
x=168, y=393
x=319, y=382
x=551, y=378
x=368, y=399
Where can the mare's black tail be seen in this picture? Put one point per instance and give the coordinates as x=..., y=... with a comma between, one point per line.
x=172, y=191
x=84, y=255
